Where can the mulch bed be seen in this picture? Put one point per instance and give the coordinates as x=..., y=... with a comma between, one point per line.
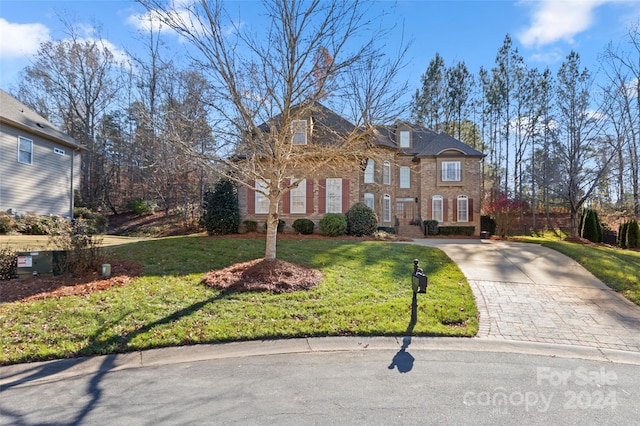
x=34, y=288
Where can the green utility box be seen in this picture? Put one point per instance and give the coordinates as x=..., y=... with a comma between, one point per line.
x=44, y=263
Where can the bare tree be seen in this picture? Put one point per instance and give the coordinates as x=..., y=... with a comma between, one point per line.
x=262, y=83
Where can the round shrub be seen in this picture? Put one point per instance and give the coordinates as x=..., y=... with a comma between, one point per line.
x=333, y=224
x=304, y=226
x=141, y=207
x=361, y=220
x=96, y=222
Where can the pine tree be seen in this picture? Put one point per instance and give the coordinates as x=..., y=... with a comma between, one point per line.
x=221, y=214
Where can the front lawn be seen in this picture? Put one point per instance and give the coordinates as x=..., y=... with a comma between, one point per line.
x=366, y=290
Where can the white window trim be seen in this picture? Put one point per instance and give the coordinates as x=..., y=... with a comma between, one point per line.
x=386, y=208
x=369, y=200
x=299, y=131
x=405, y=177
x=447, y=172
x=262, y=202
x=334, y=195
x=300, y=194
x=405, y=139
x=437, y=212
x=386, y=173
x=22, y=139
x=369, y=171
x=463, y=213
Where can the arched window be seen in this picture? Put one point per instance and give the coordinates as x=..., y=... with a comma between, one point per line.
x=463, y=208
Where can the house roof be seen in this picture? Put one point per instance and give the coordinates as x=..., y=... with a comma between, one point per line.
x=322, y=117
x=425, y=142
x=15, y=113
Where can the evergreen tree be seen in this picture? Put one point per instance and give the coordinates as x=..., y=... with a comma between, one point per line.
x=221, y=214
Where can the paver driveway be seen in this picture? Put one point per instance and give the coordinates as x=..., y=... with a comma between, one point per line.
x=532, y=293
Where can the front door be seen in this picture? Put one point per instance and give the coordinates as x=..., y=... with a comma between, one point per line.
x=405, y=211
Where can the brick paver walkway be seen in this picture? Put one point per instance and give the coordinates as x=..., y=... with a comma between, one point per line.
x=530, y=293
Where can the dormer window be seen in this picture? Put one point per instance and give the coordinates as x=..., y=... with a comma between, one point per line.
x=405, y=139
x=299, y=130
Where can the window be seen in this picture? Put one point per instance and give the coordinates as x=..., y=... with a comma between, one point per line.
x=58, y=151
x=405, y=177
x=437, y=208
x=369, y=171
x=451, y=171
x=334, y=195
x=405, y=141
x=386, y=208
x=299, y=130
x=463, y=208
x=299, y=198
x=386, y=173
x=262, y=202
x=369, y=201
x=25, y=150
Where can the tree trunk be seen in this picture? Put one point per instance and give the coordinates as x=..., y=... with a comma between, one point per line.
x=272, y=230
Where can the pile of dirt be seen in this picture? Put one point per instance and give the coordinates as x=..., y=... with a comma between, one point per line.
x=277, y=276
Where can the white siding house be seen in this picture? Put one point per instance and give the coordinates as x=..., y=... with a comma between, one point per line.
x=39, y=165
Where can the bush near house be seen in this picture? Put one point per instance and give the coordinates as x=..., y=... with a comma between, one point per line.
x=251, y=225
x=333, y=224
x=94, y=222
x=431, y=227
x=8, y=263
x=304, y=226
x=456, y=230
x=361, y=220
x=220, y=211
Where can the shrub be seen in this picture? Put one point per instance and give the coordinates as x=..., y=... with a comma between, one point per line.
x=590, y=227
x=633, y=234
x=81, y=251
x=622, y=234
x=361, y=220
x=251, y=225
x=221, y=214
x=333, y=224
x=304, y=226
x=141, y=207
x=8, y=263
x=456, y=230
x=431, y=227
x=95, y=223
x=387, y=229
x=7, y=223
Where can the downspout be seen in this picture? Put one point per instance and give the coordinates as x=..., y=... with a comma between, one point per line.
x=73, y=156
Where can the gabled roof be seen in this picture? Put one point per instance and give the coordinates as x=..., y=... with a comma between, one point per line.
x=322, y=117
x=425, y=142
x=15, y=113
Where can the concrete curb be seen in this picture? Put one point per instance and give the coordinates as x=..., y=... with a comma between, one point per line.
x=41, y=372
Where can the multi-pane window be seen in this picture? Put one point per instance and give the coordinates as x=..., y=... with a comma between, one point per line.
x=299, y=198
x=437, y=208
x=463, y=208
x=451, y=171
x=405, y=177
x=334, y=195
x=25, y=150
x=386, y=208
x=262, y=202
x=386, y=173
x=369, y=201
x=299, y=130
x=405, y=140
x=369, y=171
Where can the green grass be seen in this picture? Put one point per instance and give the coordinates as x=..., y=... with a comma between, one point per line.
x=366, y=290
x=619, y=269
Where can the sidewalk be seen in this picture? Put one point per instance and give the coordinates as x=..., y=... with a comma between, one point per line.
x=526, y=292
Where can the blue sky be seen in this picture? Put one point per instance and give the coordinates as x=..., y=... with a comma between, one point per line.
x=460, y=30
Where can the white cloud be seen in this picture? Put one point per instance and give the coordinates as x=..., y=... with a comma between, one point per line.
x=554, y=20
x=21, y=40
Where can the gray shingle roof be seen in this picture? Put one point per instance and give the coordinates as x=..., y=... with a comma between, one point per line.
x=426, y=142
x=19, y=115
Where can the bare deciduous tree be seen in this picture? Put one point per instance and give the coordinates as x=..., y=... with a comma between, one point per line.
x=263, y=82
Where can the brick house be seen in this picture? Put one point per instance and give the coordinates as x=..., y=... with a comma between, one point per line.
x=415, y=175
